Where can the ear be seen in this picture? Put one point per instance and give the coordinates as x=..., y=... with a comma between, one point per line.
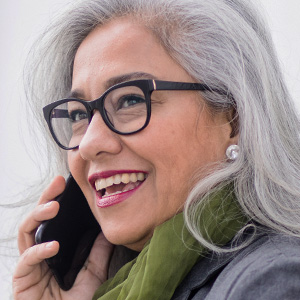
x=233, y=119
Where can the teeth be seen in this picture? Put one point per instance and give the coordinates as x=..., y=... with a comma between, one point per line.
x=125, y=178
x=118, y=192
x=101, y=184
x=128, y=189
x=109, y=181
x=133, y=177
x=117, y=179
x=140, y=176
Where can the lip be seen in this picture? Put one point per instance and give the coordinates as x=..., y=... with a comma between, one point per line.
x=114, y=199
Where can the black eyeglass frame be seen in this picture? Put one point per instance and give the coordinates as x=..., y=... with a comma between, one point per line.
x=146, y=85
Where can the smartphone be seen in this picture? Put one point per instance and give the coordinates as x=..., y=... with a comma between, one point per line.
x=75, y=228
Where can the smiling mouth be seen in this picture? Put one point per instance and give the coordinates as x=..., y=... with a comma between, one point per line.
x=119, y=183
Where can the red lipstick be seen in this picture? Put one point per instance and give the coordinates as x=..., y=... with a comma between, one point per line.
x=119, y=191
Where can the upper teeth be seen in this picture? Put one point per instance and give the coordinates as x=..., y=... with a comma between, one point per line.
x=117, y=179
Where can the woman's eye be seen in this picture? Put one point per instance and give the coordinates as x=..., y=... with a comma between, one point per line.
x=128, y=101
x=77, y=115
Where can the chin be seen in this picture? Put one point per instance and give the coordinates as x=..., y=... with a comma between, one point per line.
x=129, y=238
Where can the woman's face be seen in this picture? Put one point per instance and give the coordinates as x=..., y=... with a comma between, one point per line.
x=182, y=137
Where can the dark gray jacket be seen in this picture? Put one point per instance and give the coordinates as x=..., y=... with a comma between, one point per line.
x=268, y=268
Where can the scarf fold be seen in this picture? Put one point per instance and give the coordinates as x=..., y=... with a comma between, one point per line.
x=172, y=251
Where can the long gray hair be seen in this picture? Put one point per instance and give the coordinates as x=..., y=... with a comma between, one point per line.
x=226, y=45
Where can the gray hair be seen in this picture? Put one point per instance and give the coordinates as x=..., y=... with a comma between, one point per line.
x=226, y=45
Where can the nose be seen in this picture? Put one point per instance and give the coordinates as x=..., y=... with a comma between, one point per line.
x=99, y=139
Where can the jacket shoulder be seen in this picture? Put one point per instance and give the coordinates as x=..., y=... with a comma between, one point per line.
x=269, y=269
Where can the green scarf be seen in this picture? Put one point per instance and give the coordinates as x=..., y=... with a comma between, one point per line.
x=172, y=251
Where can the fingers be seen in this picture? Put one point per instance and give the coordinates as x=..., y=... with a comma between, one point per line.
x=34, y=219
x=46, y=209
x=33, y=256
x=104, y=249
x=29, y=271
x=32, y=275
x=55, y=188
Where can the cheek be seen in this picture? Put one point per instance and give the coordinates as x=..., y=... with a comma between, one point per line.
x=79, y=170
x=179, y=152
x=76, y=163
x=174, y=157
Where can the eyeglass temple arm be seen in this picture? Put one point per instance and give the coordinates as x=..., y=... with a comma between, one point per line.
x=59, y=113
x=170, y=85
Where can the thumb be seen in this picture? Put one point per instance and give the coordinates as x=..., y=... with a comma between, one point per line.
x=98, y=261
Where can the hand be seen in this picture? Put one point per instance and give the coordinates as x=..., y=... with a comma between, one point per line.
x=33, y=279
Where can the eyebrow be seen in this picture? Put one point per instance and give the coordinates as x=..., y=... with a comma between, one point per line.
x=79, y=94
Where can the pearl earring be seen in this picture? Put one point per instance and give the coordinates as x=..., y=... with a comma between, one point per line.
x=232, y=152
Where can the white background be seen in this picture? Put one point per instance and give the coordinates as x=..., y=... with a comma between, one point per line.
x=20, y=22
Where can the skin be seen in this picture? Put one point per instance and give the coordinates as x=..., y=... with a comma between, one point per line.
x=182, y=138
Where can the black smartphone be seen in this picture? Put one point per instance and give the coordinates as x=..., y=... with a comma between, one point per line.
x=75, y=228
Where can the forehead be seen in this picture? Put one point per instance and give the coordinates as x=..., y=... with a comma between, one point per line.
x=119, y=32
x=121, y=47
x=119, y=39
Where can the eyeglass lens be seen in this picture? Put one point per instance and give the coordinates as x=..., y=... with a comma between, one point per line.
x=125, y=109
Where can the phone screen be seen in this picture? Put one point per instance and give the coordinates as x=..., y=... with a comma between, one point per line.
x=75, y=228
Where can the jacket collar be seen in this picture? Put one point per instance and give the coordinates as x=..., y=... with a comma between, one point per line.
x=204, y=270
x=212, y=264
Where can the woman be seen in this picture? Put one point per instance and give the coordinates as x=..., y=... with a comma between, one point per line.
x=194, y=119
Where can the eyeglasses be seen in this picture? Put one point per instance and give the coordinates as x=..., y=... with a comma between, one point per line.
x=125, y=109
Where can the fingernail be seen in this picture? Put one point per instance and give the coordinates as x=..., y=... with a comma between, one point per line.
x=48, y=204
x=49, y=245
